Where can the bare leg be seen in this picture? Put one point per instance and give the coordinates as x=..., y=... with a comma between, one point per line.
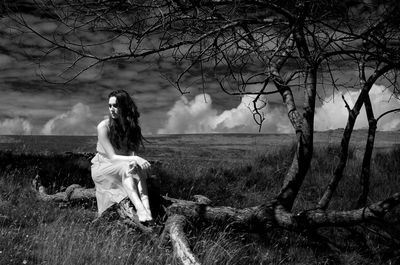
x=131, y=190
x=143, y=191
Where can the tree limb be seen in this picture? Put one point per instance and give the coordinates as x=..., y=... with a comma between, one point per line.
x=353, y=113
x=175, y=225
x=257, y=218
x=366, y=164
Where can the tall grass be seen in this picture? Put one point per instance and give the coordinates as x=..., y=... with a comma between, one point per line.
x=34, y=232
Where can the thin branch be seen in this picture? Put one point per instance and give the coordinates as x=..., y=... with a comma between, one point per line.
x=346, y=104
x=386, y=113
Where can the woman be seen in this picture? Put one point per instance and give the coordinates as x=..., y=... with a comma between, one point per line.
x=116, y=169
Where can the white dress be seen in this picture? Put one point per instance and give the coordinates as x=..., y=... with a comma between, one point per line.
x=107, y=177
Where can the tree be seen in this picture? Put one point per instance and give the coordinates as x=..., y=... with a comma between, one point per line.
x=273, y=45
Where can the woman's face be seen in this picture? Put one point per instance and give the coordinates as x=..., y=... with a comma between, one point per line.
x=113, y=107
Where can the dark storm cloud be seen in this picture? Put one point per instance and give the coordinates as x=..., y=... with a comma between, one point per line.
x=43, y=104
x=26, y=96
x=28, y=104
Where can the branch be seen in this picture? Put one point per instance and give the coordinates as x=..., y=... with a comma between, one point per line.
x=9, y=7
x=73, y=193
x=338, y=173
x=130, y=54
x=353, y=113
x=272, y=215
x=347, y=218
x=304, y=127
x=76, y=193
x=258, y=218
x=365, y=171
x=346, y=104
x=387, y=112
x=175, y=226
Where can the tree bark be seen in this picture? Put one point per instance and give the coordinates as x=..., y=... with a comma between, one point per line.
x=304, y=126
x=366, y=164
x=260, y=218
x=76, y=193
x=344, y=151
x=353, y=113
x=273, y=215
x=175, y=228
x=257, y=218
x=73, y=193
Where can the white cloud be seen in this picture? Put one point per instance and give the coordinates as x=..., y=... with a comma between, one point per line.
x=15, y=126
x=199, y=116
x=190, y=116
x=333, y=114
x=77, y=121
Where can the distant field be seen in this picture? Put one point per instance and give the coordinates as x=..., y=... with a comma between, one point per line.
x=193, y=146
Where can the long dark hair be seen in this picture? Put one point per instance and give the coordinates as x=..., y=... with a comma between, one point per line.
x=125, y=129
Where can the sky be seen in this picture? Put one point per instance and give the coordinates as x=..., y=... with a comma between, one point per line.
x=31, y=106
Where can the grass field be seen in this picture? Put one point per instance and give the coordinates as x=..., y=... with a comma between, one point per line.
x=232, y=170
x=194, y=146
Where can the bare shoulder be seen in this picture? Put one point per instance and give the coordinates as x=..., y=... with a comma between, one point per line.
x=103, y=124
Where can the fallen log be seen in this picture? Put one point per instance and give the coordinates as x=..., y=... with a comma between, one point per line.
x=174, y=231
x=258, y=218
x=73, y=193
x=76, y=193
x=272, y=214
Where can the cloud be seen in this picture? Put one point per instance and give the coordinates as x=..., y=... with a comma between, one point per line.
x=199, y=116
x=15, y=126
x=190, y=116
x=333, y=114
x=5, y=60
x=77, y=121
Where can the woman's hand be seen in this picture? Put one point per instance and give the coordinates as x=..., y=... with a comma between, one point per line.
x=133, y=166
x=142, y=163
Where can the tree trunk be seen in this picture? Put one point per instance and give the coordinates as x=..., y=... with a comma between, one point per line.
x=366, y=164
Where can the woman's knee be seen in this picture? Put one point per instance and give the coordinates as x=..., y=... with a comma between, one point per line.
x=141, y=175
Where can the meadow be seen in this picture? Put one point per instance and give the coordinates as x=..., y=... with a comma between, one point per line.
x=231, y=170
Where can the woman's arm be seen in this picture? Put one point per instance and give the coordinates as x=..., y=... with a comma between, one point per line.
x=102, y=134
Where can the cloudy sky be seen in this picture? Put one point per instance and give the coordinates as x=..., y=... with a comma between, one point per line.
x=30, y=105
